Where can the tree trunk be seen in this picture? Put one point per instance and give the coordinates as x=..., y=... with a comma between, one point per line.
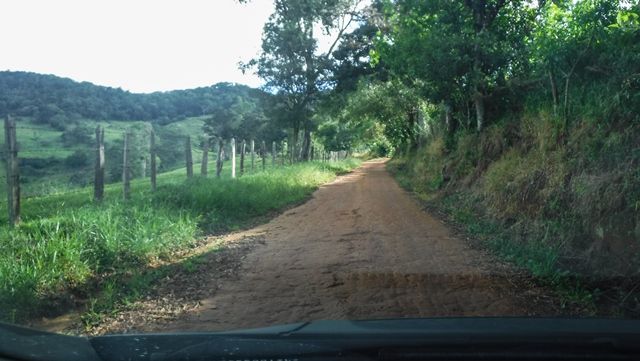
x=554, y=92
x=306, y=145
x=448, y=119
x=294, y=140
x=565, y=108
x=478, y=100
x=411, y=119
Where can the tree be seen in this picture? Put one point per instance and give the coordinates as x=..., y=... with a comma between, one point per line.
x=235, y=115
x=456, y=52
x=291, y=63
x=566, y=36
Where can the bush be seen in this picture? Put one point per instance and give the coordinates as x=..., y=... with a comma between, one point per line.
x=73, y=136
x=79, y=159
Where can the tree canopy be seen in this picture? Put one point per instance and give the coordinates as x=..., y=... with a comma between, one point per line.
x=292, y=64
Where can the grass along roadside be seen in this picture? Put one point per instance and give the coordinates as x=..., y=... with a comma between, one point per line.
x=69, y=251
x=540, y=260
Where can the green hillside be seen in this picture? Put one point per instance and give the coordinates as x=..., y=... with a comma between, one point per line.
x=61, y=101
x=56, y=120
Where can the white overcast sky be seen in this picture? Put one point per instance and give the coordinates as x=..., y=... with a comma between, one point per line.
x=137, y=45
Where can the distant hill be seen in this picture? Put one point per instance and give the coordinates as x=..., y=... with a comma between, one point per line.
x=57, y=101
x=56, y=118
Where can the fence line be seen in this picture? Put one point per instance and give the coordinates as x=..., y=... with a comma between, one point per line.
x=280, y=155
x=12, y=173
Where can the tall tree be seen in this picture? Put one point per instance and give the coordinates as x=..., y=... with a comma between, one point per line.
x=291, y=62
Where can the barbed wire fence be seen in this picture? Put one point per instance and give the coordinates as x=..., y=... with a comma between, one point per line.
x=254, y=156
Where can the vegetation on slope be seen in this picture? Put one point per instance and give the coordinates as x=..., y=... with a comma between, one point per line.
x=566, y=214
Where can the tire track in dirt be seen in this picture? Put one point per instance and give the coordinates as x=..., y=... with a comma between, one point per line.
x=360, y=248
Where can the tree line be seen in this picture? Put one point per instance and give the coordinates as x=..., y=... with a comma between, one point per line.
x=396, y=67
x=61, y=102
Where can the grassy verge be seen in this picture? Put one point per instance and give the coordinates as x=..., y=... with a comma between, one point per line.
x=540, y=259
x=68, y=248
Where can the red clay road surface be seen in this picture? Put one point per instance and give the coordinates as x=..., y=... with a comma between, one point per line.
x=361, y=248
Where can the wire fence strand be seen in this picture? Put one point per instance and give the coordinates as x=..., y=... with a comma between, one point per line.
x=39, y=178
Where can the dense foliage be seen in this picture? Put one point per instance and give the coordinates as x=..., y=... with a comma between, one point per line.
x=294, y=68
x=480, y=60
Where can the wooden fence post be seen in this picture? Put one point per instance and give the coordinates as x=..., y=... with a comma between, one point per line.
x=219, y=159
x=263, y=153
x=285, y=157
x=204, y=168
x=126, y=171
x=233, y=157
x=143, y=167
x=13, y=174
x=243, y=149
x=273, y=154
x=154, y=168
x=253, y=155
x=98, y=182
x=188, y=157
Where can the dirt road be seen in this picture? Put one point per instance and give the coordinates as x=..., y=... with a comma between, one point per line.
x=361, y=248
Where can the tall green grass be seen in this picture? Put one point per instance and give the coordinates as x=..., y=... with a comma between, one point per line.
x=67, y=245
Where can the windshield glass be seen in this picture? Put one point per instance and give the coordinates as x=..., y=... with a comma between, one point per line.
x=221, y=165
